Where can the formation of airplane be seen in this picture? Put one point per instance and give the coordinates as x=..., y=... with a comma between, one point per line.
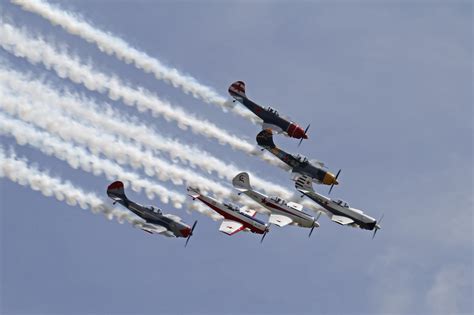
x=155, y=221
x=235, y=219
x=282, y=212
x=337, y=210
x=271, y=118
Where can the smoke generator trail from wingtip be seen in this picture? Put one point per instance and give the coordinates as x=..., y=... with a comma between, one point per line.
x=35, y=50
x=113, y=45
x=114, y=122
x=79, y=158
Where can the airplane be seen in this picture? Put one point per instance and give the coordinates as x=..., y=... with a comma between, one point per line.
x=338, y=210
x=235, y=218
x=156, y=222
x=271, y=118
x=299, y=164
x=282, y=212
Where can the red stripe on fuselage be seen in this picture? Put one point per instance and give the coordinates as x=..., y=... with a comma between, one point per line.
x=230, y=217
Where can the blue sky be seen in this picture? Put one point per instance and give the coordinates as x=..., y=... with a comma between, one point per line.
x=387, y=88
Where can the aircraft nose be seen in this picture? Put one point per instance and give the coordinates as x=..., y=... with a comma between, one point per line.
x=330, y=179
x=185, y=232
x=300, y=134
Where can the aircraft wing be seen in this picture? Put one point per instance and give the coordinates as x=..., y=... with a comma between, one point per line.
x=295, y=205
x=342, y=220
x=249, y=212
x=151, y=228
x=279, y=220
x=230, y=227
x=172, y=217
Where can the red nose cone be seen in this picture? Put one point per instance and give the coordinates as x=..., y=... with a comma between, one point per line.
x=185, y=232
x=299, y=133
x=296, y=131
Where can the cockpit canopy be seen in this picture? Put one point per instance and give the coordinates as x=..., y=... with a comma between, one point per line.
x=342, y=203
x=301, y=158
x=231, y=206
x=155, y=210
x=273, y=111
x=278, y=200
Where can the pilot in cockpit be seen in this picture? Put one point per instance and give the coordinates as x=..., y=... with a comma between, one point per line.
x=155, y=210
x=301, y=158
x=342, y=203
x=273, y=111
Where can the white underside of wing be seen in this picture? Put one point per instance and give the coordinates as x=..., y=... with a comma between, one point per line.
x=249, y=212
x=151, y=228
x=279, y=220
x=230, y=227
x=342, y=220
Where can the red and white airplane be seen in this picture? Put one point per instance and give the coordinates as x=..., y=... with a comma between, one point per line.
x=235, y=219
x=282, y=212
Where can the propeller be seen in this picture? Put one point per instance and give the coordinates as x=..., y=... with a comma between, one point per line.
x=190, y=233
x=377, y=226
x=265, y=233
x=314, y=224
x=305, y=131
x=337, y=175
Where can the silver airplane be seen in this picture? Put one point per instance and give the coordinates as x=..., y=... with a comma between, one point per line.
x=156, y=222
x=338, y=210
x=282, y=212
x=235, y=218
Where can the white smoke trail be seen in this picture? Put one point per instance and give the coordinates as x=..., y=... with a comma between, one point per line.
x=99, y=142
x=18, y=171
x=114, y=122
x=37, y=50
x=113, y=45
x=77, y=158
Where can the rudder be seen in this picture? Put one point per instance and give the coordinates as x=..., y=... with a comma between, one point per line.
x=237, y=89
x=241, y=181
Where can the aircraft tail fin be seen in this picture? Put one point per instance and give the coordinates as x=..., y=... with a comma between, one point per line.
x=265, y=139
x=193, y=192
x=116, y=191
x=237, y=89
x=241, y=181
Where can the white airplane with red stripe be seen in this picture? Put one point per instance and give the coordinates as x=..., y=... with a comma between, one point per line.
x=282, y=212
x=235, y=219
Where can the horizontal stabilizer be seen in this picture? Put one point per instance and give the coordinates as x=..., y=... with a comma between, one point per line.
x=279, y=220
